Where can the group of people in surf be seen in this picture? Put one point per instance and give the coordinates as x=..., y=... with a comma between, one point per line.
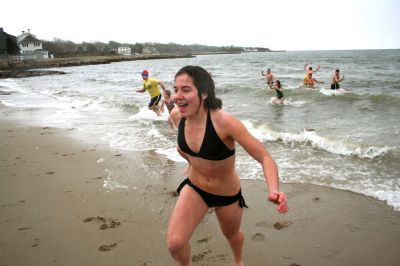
x=309, y=81
x=151, y=85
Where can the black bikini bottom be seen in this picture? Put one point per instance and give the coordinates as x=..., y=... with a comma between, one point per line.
x=214, y=200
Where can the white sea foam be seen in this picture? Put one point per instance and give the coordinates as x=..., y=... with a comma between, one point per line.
x=134, y=141
x=146, y=114
x=330, y=92
x=312, y=138
x=291, y=102
x=384, y=190
x=261, y=133
x=110, y=183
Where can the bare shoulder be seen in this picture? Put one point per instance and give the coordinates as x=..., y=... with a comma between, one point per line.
x=220, y=116
x=225, y=121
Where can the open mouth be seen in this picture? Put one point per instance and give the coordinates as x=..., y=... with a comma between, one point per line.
x=182, y=104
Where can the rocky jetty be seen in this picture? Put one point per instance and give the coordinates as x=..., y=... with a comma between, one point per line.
x=23, y=69
x=27, y=73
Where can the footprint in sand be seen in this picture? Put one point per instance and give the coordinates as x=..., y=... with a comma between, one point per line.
x=200, y=256
x=68, y=154
x=110, y=224
x=107, y=247
x=219, y=258
x=36, y=242
x=204, y=240
x=97, y=219
x=281, y=225
x=258, y=237
x=316, y=199
x=24, y=228
x=95, y=178
x=105, y=222
x=12, y=204
x=262, y=224
x=174, y=194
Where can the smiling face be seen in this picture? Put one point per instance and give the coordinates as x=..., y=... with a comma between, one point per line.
x=186, y=95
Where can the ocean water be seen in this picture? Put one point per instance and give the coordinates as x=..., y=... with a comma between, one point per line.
x=354, y=144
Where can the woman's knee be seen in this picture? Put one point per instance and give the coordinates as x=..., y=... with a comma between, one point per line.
x=175, y=244
x=233, y=234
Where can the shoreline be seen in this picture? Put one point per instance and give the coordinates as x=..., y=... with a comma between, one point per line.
x=24, y=69
x=56, y=209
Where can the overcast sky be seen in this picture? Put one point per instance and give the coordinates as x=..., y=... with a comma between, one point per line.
x=278, y=24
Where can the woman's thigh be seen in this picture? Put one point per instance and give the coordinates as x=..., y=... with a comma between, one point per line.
x=187, y=214
x=230, y=218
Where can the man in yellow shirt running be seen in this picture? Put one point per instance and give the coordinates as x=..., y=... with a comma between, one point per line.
x=151, y=85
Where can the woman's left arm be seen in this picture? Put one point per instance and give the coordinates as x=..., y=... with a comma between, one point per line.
x=255, y=149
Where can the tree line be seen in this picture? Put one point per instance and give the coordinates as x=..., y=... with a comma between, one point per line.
x=63, y=48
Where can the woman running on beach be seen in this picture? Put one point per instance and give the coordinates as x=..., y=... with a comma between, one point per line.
x=206, y=139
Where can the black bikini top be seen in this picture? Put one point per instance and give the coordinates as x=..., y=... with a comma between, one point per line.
x=212, y=147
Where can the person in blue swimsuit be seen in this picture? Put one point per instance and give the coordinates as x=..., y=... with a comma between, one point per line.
x=206, y=139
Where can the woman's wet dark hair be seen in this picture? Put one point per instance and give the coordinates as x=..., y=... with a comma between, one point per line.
x=279, y=83
x=204, y=84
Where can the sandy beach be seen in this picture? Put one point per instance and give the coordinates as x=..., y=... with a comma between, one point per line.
x=56, y=209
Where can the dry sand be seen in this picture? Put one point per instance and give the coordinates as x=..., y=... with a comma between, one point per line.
x=55, y=210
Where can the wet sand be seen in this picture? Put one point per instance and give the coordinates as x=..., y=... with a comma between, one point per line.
x=56, y=210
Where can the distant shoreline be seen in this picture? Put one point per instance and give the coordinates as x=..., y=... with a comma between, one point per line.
x=88, y=60
x=24, y=69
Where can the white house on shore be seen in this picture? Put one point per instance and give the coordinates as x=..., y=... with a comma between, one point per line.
x=31, y=47
x=124, y=50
